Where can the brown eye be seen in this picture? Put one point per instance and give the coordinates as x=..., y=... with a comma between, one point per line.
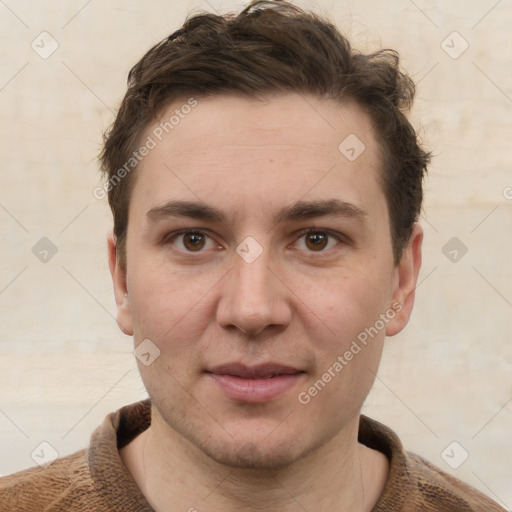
x=316, y=241
x=192, y=241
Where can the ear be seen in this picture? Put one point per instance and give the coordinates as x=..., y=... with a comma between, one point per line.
x=124, y=316
x=405, y=281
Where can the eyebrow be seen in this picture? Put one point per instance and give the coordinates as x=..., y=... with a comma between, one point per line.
x=188, y=209
x=320, y=208
x=297, y=211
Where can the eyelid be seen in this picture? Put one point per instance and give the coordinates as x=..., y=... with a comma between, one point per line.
x=334, y=234
x=170, y=237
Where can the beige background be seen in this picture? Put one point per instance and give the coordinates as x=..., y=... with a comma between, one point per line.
x=63, y=362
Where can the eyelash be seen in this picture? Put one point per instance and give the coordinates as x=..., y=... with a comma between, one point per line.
x=340, y=238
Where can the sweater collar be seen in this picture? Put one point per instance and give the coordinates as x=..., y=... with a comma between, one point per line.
x=114, y=482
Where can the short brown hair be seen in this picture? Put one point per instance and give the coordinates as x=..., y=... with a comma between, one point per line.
x=271, y=47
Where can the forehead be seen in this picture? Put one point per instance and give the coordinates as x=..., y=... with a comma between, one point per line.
x=295, y=119
x=236, y=149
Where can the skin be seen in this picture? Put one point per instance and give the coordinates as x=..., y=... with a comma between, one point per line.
x=298, y=303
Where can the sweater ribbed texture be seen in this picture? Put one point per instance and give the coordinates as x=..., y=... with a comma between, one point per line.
x=96, y=480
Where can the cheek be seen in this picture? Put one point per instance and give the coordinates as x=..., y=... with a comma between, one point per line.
x=173, y=310
x=350, y=327
x=164, y=301
x=349, y=350
x=355, y=308
x=348, y=304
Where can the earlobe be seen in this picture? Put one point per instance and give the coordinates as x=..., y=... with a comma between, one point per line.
x=123, y=317
x=406, y=279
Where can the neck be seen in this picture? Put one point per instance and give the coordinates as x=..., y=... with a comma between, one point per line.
x=174, y=474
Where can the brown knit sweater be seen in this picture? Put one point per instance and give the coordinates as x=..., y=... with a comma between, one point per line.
x=95, y=479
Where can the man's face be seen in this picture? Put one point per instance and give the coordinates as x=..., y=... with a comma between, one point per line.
x=255, y=241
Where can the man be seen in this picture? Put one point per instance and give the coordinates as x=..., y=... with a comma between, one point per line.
x=265, y=186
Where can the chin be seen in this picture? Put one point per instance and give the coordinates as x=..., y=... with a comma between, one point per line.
x=259, y=449
x=250, y=443
x=252, y=455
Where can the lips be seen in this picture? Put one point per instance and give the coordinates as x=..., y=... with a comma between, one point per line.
x=255, y=384
x=262, y=371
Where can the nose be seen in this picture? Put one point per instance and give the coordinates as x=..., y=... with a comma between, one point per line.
x=253, y=299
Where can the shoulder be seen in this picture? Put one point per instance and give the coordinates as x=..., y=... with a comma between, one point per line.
x=60, y=486
x=415, y=484
x=438, y=491
x=94, y=478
